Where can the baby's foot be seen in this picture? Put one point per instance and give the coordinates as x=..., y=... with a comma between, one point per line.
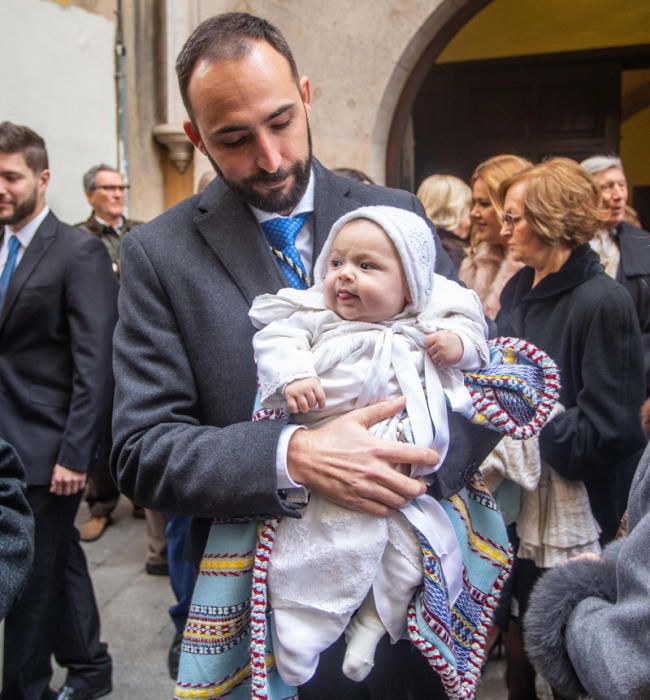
x=362, y=640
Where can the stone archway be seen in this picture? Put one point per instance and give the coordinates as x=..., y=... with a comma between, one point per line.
x=394, y=113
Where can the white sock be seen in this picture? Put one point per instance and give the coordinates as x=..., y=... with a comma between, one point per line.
x=362, y=636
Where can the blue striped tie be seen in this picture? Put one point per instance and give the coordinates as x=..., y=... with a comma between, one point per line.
x=281, y=234
x=10, y=266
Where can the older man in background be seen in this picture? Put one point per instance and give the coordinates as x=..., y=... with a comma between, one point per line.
x=105, y=191
x=624, y=249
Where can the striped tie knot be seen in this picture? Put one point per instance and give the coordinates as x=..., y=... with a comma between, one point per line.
x=281, y=234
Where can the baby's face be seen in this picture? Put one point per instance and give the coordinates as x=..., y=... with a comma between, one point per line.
x=365, y=280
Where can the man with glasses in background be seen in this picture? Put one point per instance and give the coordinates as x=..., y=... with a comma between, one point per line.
x=105, y=191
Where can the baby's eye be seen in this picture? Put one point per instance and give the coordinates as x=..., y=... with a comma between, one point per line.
x=335, y=263
x=367, y=266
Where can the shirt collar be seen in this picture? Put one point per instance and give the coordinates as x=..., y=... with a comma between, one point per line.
x=28, y=231
x=305, y=205
x=107, y=225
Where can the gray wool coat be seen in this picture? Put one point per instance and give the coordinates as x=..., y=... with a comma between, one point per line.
x=16, y=528
x=587, y=630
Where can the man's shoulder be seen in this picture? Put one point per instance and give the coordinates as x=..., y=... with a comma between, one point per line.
x=90, y=224
x=167, y=224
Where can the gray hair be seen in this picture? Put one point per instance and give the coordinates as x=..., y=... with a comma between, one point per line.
x=90, y=178
x=597, y=164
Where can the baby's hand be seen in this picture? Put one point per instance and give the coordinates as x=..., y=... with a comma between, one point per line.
x=445, y=348
x=303, y=395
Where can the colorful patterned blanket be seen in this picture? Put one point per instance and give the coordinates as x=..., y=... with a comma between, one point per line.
x=227, y=649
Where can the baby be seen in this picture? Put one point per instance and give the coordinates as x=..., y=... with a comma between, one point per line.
x=378, y=324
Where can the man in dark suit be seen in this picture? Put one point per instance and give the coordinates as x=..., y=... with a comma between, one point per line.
x=57, y=312
x=185, y=375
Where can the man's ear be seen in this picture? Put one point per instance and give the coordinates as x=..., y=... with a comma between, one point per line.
x=305, y=93
x=43, y=180
x=193, y=136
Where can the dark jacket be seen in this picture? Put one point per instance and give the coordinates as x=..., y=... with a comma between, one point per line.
x=56, y=329
x=634, y=275
x=455, y=247
x=109, y=237
x=16, y=528
x=586, y=322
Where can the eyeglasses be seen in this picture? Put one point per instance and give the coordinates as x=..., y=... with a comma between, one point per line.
x=510, y=221
x=111, y=188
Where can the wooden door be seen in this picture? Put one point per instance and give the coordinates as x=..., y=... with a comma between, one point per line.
x=536, y=107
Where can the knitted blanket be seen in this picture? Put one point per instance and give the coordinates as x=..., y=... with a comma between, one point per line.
x=227, y=649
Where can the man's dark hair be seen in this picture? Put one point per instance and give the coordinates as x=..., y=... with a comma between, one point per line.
x=90, y=178
x=227, y=36
x=15, y=138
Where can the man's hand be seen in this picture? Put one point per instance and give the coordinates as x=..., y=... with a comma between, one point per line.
x=445, y=348
x=66, y=482
x=345, y=463
x=303, y=395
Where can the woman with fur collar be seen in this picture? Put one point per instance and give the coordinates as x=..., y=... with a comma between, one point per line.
x=587, y=623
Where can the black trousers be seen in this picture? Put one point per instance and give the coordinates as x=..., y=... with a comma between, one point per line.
x=400, y=673
x=57, y=612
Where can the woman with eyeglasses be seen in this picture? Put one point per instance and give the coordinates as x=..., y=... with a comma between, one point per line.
x=487, y=267
x=563, y=302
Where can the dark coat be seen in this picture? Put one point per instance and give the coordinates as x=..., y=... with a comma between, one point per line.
x=455, y=247
x=586, y=322
x=109, y=237
x=634, y=275
x=16, y=528
x=55, y=351
x=185, y=375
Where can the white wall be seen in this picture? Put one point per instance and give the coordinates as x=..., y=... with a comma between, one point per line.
x=58, y=78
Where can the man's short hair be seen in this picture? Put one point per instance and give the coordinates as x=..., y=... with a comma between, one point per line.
x=227, y=36
x=90, y=178
x=15, y=138
x=597, y=164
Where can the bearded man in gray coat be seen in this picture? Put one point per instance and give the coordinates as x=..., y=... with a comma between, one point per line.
x=184, y=368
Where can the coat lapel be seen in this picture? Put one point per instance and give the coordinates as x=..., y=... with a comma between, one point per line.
x=331, y=201
x=32, y=256
x=234, y=235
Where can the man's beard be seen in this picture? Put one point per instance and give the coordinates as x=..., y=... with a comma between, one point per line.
x=274, y=202
x=22, y=210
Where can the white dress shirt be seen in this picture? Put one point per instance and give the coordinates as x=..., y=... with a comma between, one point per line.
x=305, y=247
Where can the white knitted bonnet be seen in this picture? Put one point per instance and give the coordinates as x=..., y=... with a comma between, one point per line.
x=413, y=240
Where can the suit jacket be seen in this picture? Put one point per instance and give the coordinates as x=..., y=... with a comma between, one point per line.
x=183, y=441
x=55, y=350
x=634, y=275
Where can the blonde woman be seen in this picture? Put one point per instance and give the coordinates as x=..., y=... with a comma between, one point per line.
x=487, y=267
x=447, y=201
